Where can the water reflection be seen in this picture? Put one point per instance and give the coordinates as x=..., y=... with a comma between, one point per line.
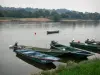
x=80, y=23
x=49, y=25
x=36, y=64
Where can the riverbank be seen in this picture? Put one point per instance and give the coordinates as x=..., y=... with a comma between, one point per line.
x=25, y=20
x=90, y=67
x=76, y=20
x=8, y=19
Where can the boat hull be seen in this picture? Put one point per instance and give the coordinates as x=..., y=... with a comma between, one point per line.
x=71, y=51
x=34, y=59
x=89, y=47
x=75, y=55
x=42, y=50
x=52, y=32
x=36, y=56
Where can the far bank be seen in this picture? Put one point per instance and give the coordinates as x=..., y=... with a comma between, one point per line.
x=10, y=19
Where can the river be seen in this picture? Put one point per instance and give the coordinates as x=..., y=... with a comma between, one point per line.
x=24, y=33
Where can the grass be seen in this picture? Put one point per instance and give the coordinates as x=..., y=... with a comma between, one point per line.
x=90, y=67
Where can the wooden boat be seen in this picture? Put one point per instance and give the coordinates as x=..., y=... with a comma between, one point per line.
x=89, y=47
x=52, y=52
x=36, y=56
x=52, y=32
x=71, y=50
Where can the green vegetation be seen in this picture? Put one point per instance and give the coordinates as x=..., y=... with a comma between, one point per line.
x=55, y=15
x=90, y=67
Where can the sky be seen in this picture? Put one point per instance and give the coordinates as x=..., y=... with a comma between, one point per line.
x=77, y=5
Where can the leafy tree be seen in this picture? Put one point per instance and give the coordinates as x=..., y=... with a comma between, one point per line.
x=53, y=14
x=1, y=15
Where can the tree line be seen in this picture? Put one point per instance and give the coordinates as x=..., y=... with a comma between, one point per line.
x=54, y=14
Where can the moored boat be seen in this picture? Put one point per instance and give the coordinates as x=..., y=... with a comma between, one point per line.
x=51, y=32
x=89, y=47
x=71, y=50
x=36, y=56
x=52, y=52
x=92, y=42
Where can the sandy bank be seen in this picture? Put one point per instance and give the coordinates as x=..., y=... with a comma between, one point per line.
x=25, y=19
x=66, y=20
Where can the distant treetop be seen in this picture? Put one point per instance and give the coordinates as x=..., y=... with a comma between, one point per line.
x=54, y=14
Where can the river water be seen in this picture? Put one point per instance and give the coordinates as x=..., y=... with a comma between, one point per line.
x=24, y=33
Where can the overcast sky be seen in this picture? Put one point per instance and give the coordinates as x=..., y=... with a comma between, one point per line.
x=78, y=5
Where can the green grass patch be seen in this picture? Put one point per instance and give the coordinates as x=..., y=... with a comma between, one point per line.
x=90, y=67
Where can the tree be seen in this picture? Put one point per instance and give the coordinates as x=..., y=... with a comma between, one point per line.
x=1, y=15
x=55, y=16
